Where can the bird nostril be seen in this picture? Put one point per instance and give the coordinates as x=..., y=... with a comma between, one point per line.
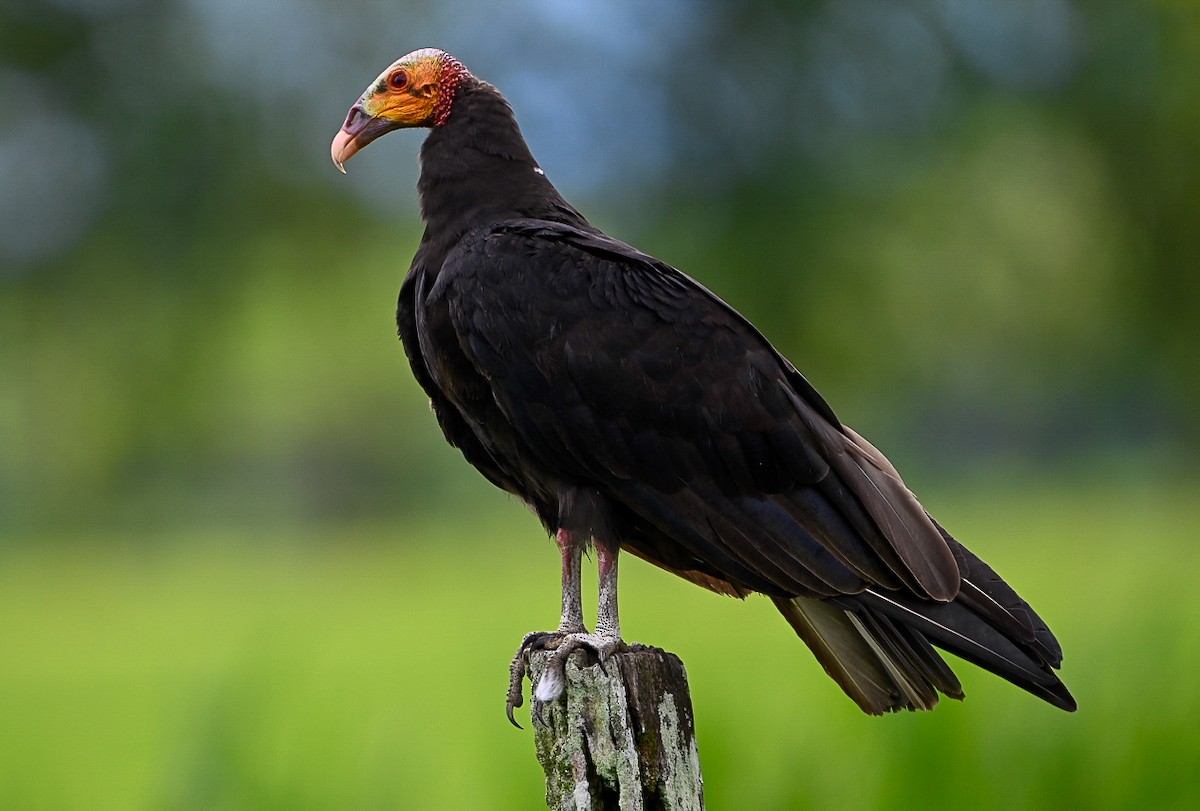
x=355, y=112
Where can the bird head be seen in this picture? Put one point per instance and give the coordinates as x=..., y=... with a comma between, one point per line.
x=416, y=90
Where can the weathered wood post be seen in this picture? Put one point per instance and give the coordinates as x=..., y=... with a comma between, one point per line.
x=621, y=736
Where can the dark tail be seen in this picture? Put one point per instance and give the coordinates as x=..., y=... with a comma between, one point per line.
x=878, y=645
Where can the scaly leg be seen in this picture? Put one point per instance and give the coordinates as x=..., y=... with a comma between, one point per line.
x=571, y=634
x=608, y=621
x=570, y=622
x=607, y=639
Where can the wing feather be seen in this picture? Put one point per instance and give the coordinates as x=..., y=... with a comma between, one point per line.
x=894, y=509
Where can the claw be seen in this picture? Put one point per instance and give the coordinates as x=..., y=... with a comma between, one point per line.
x=515, y=699
x=553, y=680
x=602, y=655
x=517, y=669
x=519, y=666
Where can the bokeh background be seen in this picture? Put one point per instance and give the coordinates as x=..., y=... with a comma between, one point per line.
x=239, y=569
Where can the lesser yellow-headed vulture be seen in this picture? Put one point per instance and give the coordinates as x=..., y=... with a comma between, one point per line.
x=632, y=409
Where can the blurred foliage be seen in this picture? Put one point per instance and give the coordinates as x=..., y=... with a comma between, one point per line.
x=974, y=225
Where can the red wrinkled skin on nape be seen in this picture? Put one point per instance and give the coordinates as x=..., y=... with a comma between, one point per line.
x=452, y=76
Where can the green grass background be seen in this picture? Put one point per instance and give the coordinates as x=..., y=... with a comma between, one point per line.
x=365, y=667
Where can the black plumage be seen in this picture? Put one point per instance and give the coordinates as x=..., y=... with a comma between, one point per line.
x=626, y=404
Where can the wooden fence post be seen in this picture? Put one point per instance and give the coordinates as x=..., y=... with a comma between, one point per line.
x=621, y=736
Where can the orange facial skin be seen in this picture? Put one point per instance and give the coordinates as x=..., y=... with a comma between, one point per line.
x=415, y=91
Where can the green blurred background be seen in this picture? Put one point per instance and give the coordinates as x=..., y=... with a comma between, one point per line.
x=239, y=569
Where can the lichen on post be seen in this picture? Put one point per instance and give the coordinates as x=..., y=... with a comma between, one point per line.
x=621, y=736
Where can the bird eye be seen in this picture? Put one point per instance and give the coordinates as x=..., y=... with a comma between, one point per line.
x=398, y=80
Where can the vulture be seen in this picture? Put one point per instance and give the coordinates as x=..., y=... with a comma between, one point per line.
x=632, y=409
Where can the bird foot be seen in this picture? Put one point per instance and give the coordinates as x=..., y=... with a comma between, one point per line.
x=553, y=680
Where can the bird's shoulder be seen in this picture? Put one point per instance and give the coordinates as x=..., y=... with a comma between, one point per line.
x=589, y=294
x=542, y=262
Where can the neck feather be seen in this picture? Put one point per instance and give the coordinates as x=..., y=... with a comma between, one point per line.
x=476, y=168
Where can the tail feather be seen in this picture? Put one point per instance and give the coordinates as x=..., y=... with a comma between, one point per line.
x=916, y=692
x=913, y=651
x=876, y=662
x=878, y=645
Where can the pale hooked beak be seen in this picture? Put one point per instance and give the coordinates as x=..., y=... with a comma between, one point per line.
x=360, y=129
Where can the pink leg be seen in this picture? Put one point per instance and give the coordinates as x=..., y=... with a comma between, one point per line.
x=605, y=641
x=572, y=601
x=571, y=633
x=608, y=622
